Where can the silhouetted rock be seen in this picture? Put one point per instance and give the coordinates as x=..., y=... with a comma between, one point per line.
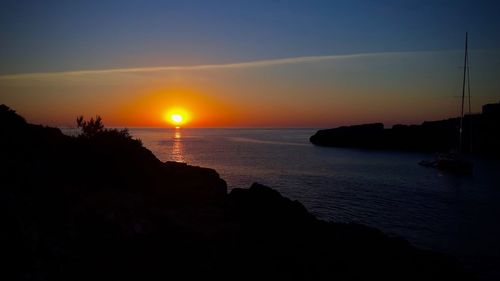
x=481, y=134
x=101, y=206
x=367, y=135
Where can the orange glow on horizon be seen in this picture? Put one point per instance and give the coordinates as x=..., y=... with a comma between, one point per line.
x=155, y=107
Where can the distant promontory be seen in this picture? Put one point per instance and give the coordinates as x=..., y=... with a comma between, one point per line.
x=481, y=135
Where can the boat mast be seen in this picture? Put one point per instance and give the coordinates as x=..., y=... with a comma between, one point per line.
x=468, y=83
x=463, y=97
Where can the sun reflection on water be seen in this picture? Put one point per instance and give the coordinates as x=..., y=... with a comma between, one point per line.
x=177, y=149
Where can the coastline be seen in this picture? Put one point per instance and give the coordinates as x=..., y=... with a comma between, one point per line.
x=481, y=135
x=118, y=211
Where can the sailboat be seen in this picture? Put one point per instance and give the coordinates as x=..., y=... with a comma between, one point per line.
x=455, y=162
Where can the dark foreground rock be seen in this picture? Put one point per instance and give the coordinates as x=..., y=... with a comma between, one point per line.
x=481, y=135
x=103, y=207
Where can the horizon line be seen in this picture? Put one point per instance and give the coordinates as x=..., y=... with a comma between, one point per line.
x=244, y=64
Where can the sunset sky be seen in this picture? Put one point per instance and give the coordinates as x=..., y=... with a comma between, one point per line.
x=246, y=63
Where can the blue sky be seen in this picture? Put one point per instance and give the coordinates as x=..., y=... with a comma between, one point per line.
x=49, y=35
x=246, y=63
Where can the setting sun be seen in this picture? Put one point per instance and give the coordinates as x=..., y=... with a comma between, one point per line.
x=177, y=117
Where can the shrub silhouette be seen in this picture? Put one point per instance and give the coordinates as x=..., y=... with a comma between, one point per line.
x=94, y=129
x=90, y=128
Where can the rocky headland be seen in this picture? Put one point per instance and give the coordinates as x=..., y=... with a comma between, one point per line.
x=100, y=206
x=481, y=135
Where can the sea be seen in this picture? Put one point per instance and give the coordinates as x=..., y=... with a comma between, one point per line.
x=453, y=214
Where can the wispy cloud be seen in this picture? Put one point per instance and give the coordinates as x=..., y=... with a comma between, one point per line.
x=248, y=64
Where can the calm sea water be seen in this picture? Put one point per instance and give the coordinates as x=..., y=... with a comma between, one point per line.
x=458, y=215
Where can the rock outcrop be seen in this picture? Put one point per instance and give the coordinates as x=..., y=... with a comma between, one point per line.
x=481, y=135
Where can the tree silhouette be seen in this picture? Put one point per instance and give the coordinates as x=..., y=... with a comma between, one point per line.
x=90, y=128
x=94, y=129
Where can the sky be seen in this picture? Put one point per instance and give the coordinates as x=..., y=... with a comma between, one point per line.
x=246, y=63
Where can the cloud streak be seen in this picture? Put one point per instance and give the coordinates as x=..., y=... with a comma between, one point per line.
x=238, y=65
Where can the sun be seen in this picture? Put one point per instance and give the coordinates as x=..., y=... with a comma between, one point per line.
x=177, y=117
